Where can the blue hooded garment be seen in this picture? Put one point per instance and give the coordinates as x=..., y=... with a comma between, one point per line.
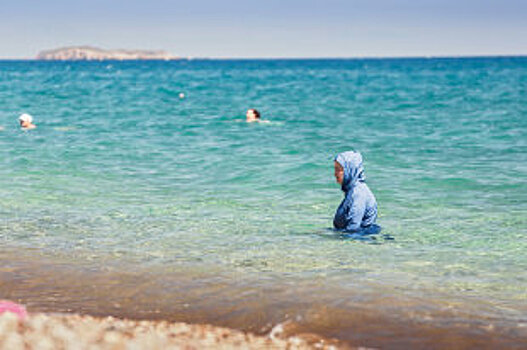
x=358, y=210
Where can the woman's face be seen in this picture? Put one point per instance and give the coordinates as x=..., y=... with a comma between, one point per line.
x=339, y=173
x=251, y=116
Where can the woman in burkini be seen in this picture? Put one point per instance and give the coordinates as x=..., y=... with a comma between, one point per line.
x=358, y=211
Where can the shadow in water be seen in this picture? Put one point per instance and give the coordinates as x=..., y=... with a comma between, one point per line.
x=370, y=235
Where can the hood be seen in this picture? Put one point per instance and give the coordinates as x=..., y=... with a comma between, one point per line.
x=353, y=170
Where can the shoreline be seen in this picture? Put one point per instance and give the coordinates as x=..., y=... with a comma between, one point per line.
x=54, y=286
x=74, y=331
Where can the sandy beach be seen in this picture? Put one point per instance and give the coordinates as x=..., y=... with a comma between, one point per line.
x=71, y=331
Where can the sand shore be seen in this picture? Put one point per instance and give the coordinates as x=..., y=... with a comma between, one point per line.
x=71, y=331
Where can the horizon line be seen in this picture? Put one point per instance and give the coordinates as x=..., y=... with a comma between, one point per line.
x=212, y=58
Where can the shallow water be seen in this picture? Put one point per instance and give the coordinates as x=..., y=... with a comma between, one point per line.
x=124, y=178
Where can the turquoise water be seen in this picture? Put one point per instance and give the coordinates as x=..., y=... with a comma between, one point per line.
x=121, y=171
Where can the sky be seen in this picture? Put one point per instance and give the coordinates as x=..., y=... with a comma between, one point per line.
x=268, y=28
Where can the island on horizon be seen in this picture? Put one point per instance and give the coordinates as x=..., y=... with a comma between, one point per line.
x=89, y=53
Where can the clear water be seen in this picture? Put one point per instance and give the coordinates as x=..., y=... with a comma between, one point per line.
x=122, y=172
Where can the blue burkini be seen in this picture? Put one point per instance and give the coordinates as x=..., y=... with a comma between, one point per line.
x=358, y=211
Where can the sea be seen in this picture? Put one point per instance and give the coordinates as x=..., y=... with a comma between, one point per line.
x=144, y=194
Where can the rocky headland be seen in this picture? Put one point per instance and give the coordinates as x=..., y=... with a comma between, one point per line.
x=88, y=53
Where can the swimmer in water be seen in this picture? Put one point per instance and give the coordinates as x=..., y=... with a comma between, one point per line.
x=254, y=116
x=26, y=122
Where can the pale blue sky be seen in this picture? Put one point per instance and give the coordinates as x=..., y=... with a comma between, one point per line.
x=268, y=28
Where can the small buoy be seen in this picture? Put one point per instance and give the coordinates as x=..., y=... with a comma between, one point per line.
x=181, y=95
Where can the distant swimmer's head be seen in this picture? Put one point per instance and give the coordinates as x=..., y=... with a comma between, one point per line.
x=25, y=118
x=348, y=169
x=252, y=115
x=26, y=121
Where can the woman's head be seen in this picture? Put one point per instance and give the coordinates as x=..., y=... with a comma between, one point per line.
x=348, y=169
x=25, y=120
x=252, y=115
